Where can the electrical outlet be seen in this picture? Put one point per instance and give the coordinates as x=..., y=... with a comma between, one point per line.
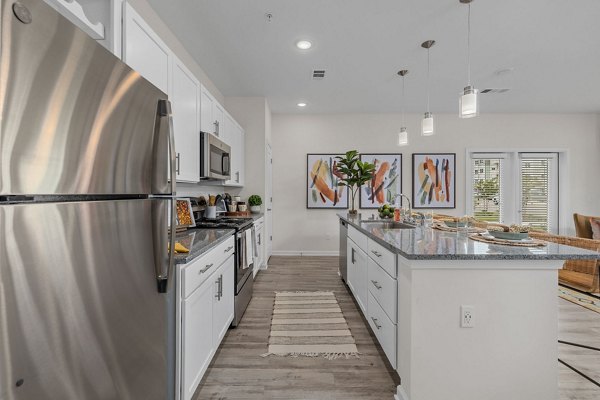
x=467, y=316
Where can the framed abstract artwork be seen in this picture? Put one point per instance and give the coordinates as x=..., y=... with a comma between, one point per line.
x=434, y=180
x=322, y=178
x=386, y=182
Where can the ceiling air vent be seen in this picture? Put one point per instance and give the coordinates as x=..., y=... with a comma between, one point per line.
x=496, y=90
x=318, y=73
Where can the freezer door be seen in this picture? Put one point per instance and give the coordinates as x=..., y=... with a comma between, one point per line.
x=81, y=317
x=74, y=118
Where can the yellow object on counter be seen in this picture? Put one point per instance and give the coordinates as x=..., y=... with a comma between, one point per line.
x=179, y=248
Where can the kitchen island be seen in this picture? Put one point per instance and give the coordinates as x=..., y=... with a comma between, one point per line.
x=457, y=318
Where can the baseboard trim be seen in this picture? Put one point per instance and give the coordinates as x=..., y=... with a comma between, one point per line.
x=306, y=253
x=401, y=394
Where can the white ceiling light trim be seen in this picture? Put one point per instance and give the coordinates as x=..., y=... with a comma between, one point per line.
x=302, y=104
x=427, y=128
x=468, y=103
x=303, y=44
x=403, y=134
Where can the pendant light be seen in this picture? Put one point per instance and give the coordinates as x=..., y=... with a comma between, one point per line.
x=403, y=134
x=468, y=102
x=427, y=123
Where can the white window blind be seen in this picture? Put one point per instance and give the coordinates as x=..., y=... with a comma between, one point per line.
x=538, y=190
x=487, y=180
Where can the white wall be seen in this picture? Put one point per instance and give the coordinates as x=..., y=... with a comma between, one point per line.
x=298, y=230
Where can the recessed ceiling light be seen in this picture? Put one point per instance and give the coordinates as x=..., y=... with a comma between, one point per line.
x=301, y=104
x=303, y=44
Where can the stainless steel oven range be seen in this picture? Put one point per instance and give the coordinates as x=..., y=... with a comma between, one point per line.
x=245, y=253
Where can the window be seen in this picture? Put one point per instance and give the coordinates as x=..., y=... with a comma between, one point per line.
x=515, y=187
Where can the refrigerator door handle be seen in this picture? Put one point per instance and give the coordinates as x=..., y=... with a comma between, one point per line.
x=164, y=240
x=165, y=111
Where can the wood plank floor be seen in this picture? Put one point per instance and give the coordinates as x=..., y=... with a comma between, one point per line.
x=238, y=371
x=578, y=325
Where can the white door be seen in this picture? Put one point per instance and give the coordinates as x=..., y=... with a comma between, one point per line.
x=197, y=347
x=186, y=109
x=269, y=201
x=223, y=300
x=207, y=122
x=144, y=51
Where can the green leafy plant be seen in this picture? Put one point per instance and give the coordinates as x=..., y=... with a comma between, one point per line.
x=355, y=173
x=254, y=200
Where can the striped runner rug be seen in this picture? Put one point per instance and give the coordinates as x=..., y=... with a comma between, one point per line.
x=309, y=324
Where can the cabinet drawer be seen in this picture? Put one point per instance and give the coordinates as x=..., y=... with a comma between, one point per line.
x=199, y=270
x=359, y=238
x=384, y=288
x=384, y=329
x=382, y=256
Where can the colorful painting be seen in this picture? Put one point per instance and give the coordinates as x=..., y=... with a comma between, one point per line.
x=322, y=183
x=386, y=182
x=434, y=180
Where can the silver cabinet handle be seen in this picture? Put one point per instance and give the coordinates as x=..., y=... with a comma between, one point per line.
x=178, y=163
x=216, y=123
x=227, y=250
x=220, y=287
x=375, y=322
x=376, y=253
x=237, y=179
x=219, y=283
x=259, y=240
x=203, y=270
x=376, y=284
x=352, y=258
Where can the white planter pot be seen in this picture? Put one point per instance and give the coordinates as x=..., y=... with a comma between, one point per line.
x=255, y=209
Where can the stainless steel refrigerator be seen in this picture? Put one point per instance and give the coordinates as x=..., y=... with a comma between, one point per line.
x=86, y=275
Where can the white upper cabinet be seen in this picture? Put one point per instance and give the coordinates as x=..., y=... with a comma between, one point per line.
x=207, y=101
x=212, y=117
x=233, y=134
x=185, y=99
x=144, y=51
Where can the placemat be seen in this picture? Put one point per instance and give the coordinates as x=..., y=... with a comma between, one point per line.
x=533, y=243
x=442, y=227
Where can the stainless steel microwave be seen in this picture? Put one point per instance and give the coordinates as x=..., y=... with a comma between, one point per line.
x=215, y=157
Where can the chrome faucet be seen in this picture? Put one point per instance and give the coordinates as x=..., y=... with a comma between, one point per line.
x=410, y=218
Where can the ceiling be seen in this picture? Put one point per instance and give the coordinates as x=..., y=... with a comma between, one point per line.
x=552, y=48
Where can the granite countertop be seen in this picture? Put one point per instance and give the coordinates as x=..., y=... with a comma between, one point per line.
x=431, y=244
x=200, y=241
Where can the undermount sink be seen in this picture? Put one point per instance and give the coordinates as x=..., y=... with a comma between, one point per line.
x=388, y=224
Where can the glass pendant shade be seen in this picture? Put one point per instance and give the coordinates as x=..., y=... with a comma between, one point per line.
x=427, y=124
x=468, y=103
x=403, y=137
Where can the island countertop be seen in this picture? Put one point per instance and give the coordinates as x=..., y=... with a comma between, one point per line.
x=424, y=243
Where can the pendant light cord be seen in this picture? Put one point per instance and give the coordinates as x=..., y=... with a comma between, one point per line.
x=403, y=101
x=469, y=46
x=428, y=83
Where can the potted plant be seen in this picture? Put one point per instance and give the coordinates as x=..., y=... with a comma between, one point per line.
x=355, y=174
x=255, y=202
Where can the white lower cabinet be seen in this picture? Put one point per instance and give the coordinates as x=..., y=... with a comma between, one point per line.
x=384, y=329
x=197, y=347
x=206, y=310
x=372, y=271
x=357, y=263
x=223, y=300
